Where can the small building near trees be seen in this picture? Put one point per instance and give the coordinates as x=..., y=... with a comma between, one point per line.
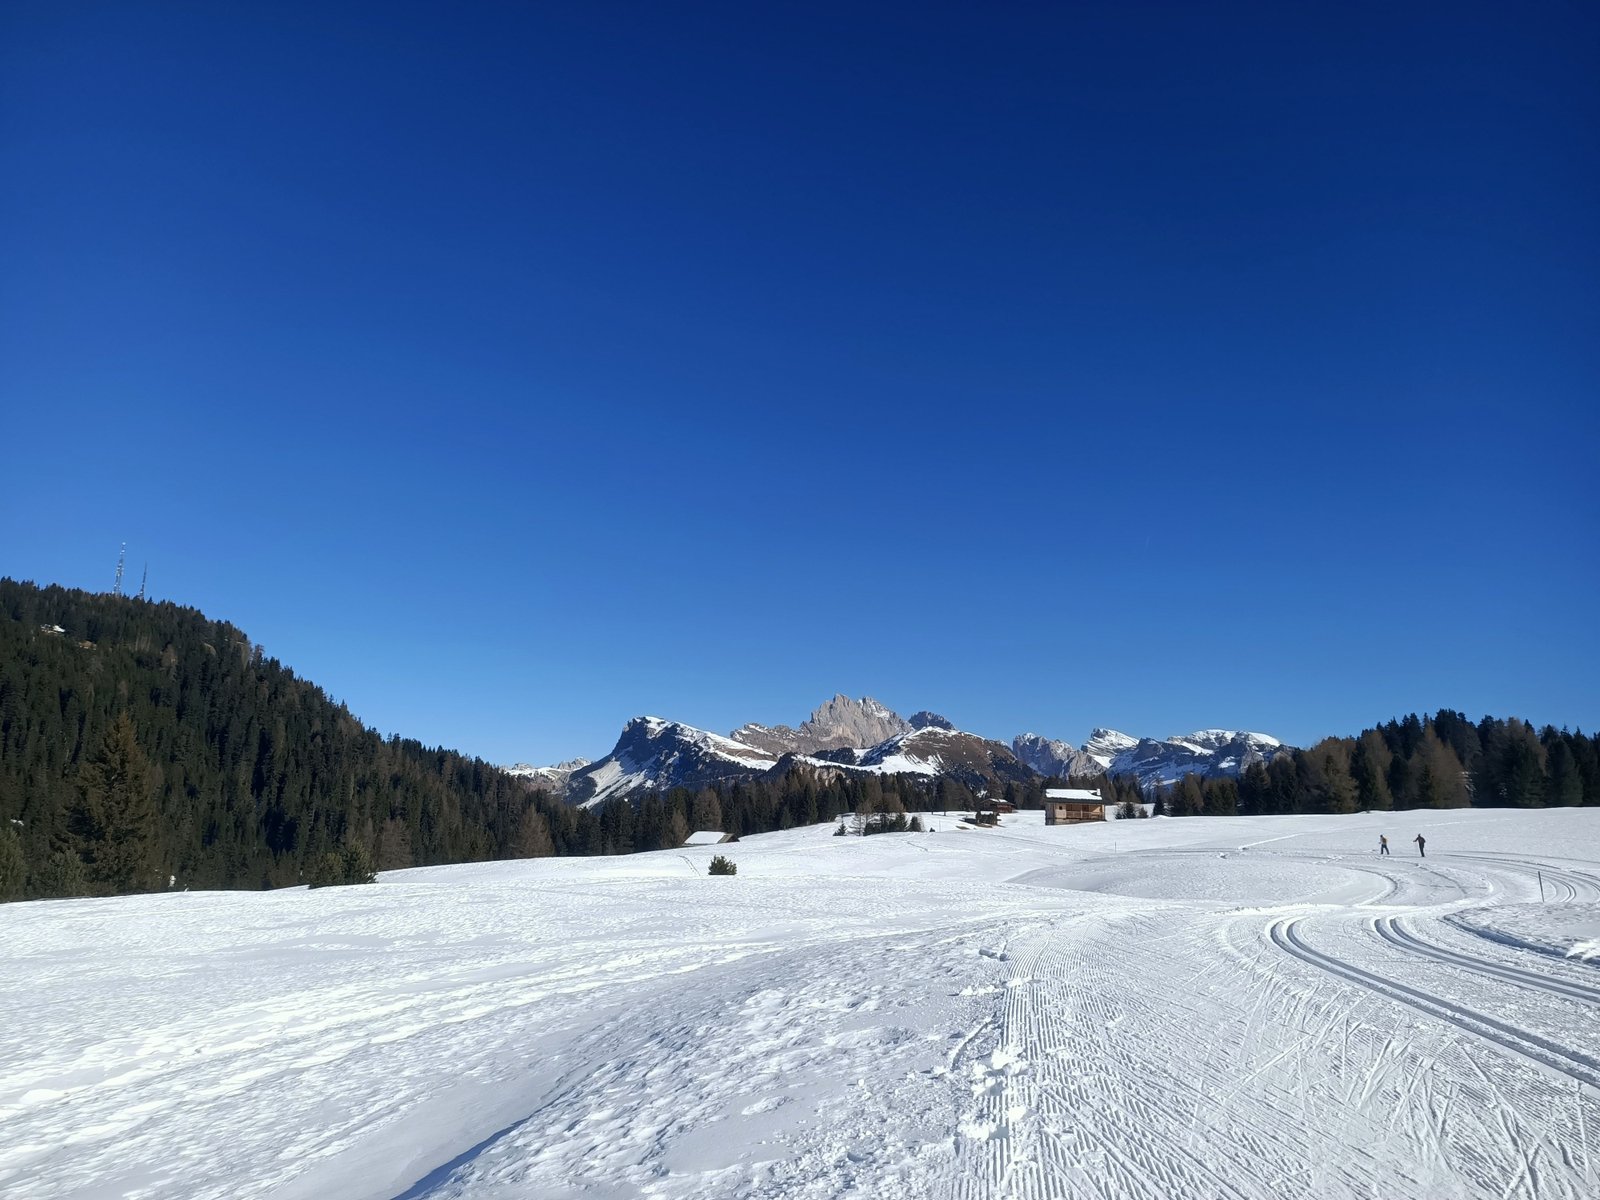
x=1073, y=806
x=707, y=837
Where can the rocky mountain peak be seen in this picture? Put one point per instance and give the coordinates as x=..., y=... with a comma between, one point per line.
x=846, y=722
x=1050, y=757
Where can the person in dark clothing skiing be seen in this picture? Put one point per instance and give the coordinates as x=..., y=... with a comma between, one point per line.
x=1422, y=845
x=1383, y=844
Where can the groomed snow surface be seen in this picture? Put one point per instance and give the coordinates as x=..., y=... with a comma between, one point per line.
x=1173, y=1008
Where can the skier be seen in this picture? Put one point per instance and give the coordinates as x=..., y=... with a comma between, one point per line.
x=1383, y=844
x=1422, y=845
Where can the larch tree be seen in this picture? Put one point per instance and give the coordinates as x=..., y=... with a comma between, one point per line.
x=677, y=831
x=1369, y=767
x=533, y=835
x=1440, y=782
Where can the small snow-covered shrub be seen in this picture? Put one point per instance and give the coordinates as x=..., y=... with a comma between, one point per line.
x=721, y=866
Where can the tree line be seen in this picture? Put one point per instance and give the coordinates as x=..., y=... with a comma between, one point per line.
x=1442, y=761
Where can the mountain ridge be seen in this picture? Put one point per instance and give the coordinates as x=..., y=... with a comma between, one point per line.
x=865, y=736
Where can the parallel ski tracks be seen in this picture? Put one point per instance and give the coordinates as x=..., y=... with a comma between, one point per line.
x=1089, y=1108
x=1565, y=884
x=1549, y=1054
x=1391, y=931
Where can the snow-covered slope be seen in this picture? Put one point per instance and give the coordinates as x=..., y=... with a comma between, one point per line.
x=1105, y=744
x=1259, y=1008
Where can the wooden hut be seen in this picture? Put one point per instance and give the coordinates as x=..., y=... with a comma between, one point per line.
x=1073, y=806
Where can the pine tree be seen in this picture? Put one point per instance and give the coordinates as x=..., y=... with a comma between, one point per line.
x=1188, y=797
x=394, y=845
x=356, y=864
x=1402, y=781
x=117, y=821
x=1587, y=753
x=1284, y=775
x=707, y=811
x=1255, y=790
x=60, y=878
x=1563, y=783
x=1221, y=799
x=1325, y=776
x=677, y=831
x=13, y=865
x=1522, y=767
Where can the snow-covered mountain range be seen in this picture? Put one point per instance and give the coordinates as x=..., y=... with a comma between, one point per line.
x=553, y=779
x=1207, y=752
x=654, y=754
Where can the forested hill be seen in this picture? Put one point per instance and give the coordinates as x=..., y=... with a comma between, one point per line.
x=230, y=771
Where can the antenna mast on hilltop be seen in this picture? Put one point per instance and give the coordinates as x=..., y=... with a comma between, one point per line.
x=116, y=588
x=144, y=579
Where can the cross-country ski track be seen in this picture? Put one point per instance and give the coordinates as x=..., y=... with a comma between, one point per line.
x=1250, y=1009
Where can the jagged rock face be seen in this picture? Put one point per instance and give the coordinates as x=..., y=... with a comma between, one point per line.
x=928, y=720
x=1054, y=758
x=841, y=722
x=846, y=722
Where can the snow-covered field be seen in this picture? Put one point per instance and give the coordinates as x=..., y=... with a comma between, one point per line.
x=1198, y=1008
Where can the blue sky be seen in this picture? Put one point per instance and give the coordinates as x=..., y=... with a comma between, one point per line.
x=514, y=370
